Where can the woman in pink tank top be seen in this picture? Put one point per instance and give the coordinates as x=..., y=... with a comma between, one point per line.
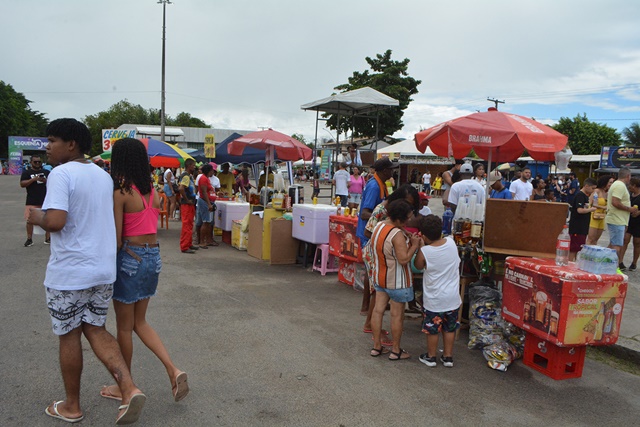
x=135, y=205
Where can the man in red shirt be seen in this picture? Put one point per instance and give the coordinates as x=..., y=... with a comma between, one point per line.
x=205, y=206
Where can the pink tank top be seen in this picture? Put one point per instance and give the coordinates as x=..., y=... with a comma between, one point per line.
x=143, y=222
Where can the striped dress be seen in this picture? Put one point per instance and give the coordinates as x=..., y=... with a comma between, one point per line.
x=382, y=264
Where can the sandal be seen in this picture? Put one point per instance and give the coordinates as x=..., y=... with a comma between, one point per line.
x=398, y=355
x=375, y=352
x=384, y=340
x=214, y=243
x=370, y=331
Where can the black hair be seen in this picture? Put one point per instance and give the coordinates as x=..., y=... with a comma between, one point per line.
x=189, y=162
x=431, y=227
x=477, y=166
x=399, y=210
x=603, y=181
x=401, y=194
x=590, y=181
x=71, y=130
x=130, y=166
x=206, y=169
x=548, y=191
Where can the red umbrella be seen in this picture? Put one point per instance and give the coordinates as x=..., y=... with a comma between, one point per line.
x=284, y=146
x=493, y=135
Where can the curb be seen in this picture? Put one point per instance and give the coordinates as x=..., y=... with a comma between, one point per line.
x=625, y=348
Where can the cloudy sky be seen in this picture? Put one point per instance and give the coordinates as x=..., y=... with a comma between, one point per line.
x=246, y=64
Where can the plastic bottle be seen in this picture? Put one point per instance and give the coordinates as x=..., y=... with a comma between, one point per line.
x=447, y=218
x=562, y=246
x=595, y=199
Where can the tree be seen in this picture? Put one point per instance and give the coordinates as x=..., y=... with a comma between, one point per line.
x=586, y=137
x=302, y=139
x=389, y=77
x=126, y=112
x=17, y=118
x=632, y=134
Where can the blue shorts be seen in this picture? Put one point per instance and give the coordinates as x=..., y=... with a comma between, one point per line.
x=138, y=268
x=616, y=234
x=203, y=214
x=397, y=295
x=168, y=190
x=435, y=322
x=344, y=199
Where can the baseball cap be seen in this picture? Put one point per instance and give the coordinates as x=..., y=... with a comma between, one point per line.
x=214, y=166
x=494, y=177
x=384, y=163
x=424, y=196
x=466, y=168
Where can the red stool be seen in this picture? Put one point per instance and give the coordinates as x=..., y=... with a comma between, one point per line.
x=323, y=261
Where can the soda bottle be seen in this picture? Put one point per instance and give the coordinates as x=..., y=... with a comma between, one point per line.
x=447, y=217
x=562, y=246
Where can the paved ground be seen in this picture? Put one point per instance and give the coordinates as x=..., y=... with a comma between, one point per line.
x=275, y=345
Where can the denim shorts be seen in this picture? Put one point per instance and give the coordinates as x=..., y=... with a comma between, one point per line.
x=435, y=322
x=203, y=214
x=355, y=198
x=616, y=234
x=397, y=295
x=138, y=268
x=70, y=309
x=168, y=190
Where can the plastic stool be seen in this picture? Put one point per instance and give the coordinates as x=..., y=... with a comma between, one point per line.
x=325, y=263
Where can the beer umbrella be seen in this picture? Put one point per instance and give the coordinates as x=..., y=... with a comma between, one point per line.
x=161, y=154
x=274, y=143
x=493, y=135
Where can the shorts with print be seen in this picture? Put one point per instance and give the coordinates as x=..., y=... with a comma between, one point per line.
x=397, y=295
x=138, y=269
x=69, y=309
x=435, y=322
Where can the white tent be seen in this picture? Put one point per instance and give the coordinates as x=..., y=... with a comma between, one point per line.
x=405, y=148
x=307, y=162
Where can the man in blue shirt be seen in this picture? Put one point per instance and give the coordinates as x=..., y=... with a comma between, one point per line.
x=374, y=192
x=573, y=188
x=498, y=190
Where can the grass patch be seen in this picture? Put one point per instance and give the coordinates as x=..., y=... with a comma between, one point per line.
x=599, y=355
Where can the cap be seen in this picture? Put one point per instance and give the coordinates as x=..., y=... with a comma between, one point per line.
x=214, y=166
x=466, y=168
x=494, y=177
x=424, y=196
x=384, y=163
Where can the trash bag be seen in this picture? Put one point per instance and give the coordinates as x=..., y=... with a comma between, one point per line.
x=485, y=320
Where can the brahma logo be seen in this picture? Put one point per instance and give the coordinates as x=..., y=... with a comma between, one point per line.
x=482, y=139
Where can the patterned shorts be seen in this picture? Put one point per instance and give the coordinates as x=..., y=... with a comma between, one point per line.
x=69, y=309
x=445, y=321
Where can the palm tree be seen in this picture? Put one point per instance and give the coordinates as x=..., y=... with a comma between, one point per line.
x=632, y=134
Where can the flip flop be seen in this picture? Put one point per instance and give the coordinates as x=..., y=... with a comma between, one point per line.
x=214, y=243
x=132, y=410
x=108, y=395
x=377, y=352
x=399, y=355
x=385, y=341
x=56, y=414
x=203, y=247
x=370, y=331
x=181, y=387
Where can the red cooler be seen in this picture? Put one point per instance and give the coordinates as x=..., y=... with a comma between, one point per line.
x=561, y=304
x=343, y=242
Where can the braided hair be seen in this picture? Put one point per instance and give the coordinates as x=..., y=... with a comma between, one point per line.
x=130, y=166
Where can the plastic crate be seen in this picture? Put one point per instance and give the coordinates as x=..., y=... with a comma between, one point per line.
x=226, y=237
x=559, y=363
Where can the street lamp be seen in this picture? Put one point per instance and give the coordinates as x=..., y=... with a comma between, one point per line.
x=162, y=96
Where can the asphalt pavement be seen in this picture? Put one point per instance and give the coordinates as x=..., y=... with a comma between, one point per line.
x=277, y=346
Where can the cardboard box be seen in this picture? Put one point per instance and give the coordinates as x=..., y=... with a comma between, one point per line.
x=343, y=242
x=239, y=238
x=284, y=248
x=561, y=304
x=259, y=245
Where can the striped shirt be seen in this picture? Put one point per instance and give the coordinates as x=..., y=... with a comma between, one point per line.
x=382, y=262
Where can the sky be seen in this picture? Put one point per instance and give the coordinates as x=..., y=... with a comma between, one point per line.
x=249, y=64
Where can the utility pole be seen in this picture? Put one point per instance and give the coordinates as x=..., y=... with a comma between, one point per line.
x=495, y=101
x=162, y=96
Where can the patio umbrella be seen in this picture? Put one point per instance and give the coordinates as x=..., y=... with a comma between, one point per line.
x=275, y=143
x=160, y=153
x=493, y=134
x=505, y=166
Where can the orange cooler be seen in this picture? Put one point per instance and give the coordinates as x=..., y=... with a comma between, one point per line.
x=562, y=304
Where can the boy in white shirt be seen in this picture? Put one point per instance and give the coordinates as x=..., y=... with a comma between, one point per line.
x=440, y=287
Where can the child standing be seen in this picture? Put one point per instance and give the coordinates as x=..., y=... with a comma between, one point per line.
x=440, y=283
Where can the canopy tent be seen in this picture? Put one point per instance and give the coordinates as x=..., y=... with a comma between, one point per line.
x=359, y=101
x=406, y=148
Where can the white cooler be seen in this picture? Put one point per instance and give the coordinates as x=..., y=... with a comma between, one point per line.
x=229, y=211
x=311, y=222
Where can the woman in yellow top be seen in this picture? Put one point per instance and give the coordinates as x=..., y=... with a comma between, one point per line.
x=437, y=184
x=597, y=225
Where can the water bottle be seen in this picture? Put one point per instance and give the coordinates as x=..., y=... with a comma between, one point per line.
x=595, y=199
x=562, y=247
x=447, y=217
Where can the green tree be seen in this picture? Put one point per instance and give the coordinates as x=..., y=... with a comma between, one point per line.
x=125, y=112
x=586, y=137
x=632, y=134
x=302, y=139
x=17, y=118
x=389, y=77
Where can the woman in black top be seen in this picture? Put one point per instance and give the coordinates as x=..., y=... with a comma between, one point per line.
x=538, y=190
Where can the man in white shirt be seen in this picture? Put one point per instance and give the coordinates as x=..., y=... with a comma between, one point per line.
x=521, y=189
x=466, y=185
x=426, y=182
x=342, y=179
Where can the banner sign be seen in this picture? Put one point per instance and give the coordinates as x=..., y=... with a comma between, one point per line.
x=324, y=170
x=618, y=157
x=17, y=144
x=210, y=146
x=109, y=136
